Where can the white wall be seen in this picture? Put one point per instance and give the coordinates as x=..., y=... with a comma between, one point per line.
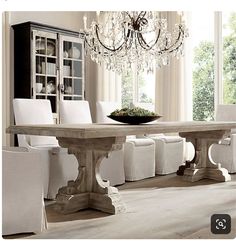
x=67, y=20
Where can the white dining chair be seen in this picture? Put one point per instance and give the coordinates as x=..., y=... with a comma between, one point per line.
x=23, y=207
x=111, y=168
x=75, y=111
x=139, y=153
x=58, y=165
x=169, y=150
x=225, y=152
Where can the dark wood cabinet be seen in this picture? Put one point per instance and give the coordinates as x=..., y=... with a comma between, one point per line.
x=48, y=64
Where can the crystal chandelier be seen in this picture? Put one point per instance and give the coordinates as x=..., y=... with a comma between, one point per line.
x=142, y=37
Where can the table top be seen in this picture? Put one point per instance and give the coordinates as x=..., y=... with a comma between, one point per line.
x=96, y=130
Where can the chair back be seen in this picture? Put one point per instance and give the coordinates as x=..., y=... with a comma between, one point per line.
x=75, y=111
x=104, y=108
x=33, y=112
x=226, y=113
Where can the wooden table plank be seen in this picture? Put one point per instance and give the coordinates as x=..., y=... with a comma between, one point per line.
x=111, y=130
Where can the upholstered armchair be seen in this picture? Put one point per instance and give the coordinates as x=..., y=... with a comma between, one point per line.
x=58, y=166
x=23, y=207
x=111, y=168
x=139, y=153
x=225, y=152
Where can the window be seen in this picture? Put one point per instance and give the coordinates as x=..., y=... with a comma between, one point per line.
x=202, y=35
x=137, y=87
x=214, y=62
x=229, y=57
x=146, y=88
x=127, y=85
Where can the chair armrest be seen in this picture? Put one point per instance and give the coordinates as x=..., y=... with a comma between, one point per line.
x=226, y=141
x=54, y=149
x=154, y=135
x=37, y=149
x=233, y=137
x=137, y=142
x=168, y=139
x=14, y=149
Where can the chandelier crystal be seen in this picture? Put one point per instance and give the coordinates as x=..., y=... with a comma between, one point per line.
x=142, y=37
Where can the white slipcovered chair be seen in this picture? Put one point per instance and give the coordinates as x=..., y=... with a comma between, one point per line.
x=139, y=153
x=169, y=150
x=58, y=166
x=169, y=153
x=111, y=168
x=22, y=192
x=225, y=152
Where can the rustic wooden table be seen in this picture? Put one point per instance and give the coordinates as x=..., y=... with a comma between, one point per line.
x=90, y=143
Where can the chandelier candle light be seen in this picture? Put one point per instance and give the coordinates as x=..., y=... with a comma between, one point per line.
x=124, y=38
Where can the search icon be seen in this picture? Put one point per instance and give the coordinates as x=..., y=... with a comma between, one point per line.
x=221, y=224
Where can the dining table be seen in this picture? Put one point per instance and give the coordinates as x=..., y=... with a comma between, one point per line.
x=91, y=143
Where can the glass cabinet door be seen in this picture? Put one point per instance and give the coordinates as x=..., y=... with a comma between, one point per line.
x=45, y=64
x=72, y=66
x=57, y=68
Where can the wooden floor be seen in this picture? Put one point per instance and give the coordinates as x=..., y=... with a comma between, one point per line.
x=164, y=207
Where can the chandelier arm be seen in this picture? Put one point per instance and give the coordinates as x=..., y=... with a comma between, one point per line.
x=140, y=36
x=106, y=47
x=86, y=41
x=140, y=20
x=169, y=50
x=128, y=47
x=142, y=42
x=181, y=34
x=130, y=41
x=127, y=37
x=175, y=48
x=128, y=15
x=143, y=13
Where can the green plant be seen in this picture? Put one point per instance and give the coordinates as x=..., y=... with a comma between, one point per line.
x=136, y=111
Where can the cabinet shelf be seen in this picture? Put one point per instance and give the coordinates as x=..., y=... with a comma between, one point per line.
x=72, y=59
x=72, y=77
x=70, y=95
x=43, y=55
x=43, y=94
x=46, y=75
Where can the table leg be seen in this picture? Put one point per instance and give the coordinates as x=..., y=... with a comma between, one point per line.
x=202, y=166
x=182, y=168
x=89, y=190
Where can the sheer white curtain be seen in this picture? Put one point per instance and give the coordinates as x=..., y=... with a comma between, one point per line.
x=173, y=96
x=108, y=82
x=108, y=85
